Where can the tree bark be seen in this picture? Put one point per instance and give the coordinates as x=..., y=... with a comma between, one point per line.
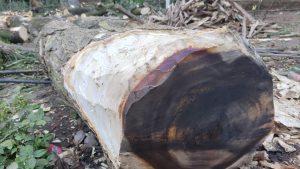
x=162, y=99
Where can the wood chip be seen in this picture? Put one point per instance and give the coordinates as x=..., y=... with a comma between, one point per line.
x=287, y=148
x=225, y=3
x=270, y=165
x=268, y=143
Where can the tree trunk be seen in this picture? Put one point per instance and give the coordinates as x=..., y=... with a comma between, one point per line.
x=179, y=99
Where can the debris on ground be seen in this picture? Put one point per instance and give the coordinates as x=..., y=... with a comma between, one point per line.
x=79, y=137
x=199, y=14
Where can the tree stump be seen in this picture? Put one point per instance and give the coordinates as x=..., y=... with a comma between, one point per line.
x=180, y=99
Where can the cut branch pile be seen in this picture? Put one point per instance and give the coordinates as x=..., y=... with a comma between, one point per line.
x=197, y=14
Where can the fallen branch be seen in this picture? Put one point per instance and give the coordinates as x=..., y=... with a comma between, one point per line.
x=260, y=29
x=290, y=35
x=244, y=28
x=127, y=13
x=25, y=81
x=243, y=11
x=277, y=53
x=252, y=28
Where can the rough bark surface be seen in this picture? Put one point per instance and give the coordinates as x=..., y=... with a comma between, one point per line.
x=163, y=99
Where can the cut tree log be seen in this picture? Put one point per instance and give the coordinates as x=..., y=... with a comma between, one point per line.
x=3, y=24
x=15, y=34
x=179, y=99
x=16, y=21
x=141, y=10
x=33, y=25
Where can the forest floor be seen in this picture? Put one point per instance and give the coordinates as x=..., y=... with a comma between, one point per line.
x=281, y=150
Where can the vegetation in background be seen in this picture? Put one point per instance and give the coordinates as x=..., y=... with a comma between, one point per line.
x=24, y=5
x=23, y=144
x=16, y=5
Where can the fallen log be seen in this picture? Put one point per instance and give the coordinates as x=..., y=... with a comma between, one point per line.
x=15, y=34
x=141, y=10
x=163, y=99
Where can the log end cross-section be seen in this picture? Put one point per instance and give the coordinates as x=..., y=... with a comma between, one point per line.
x=172, y=99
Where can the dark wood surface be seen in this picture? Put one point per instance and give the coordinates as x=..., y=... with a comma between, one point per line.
x=207, y=113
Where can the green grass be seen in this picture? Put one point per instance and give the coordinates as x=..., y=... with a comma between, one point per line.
x=14, y=5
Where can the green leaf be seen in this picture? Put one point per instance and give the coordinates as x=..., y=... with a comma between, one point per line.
x=30, y=164
x=26, y=151
x=1, y=150
x=19, y=137
x=40, y=122
x=23, y=137
x=13, y=165
x=32, y=107
x=40, y=153
x=1, y=166
x=13, y=150
x=52, y=158
x=7, y=144
x=2, y=160
x=41, y=163
x=36, y=115
x=37, y=118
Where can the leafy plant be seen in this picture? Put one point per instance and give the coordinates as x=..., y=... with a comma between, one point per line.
x=19, y=103
x=22, y=144
x=4, y=110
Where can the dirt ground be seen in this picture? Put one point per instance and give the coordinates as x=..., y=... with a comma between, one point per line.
x=86, y=153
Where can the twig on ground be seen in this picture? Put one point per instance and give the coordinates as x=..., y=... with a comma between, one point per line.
x=260, y=29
